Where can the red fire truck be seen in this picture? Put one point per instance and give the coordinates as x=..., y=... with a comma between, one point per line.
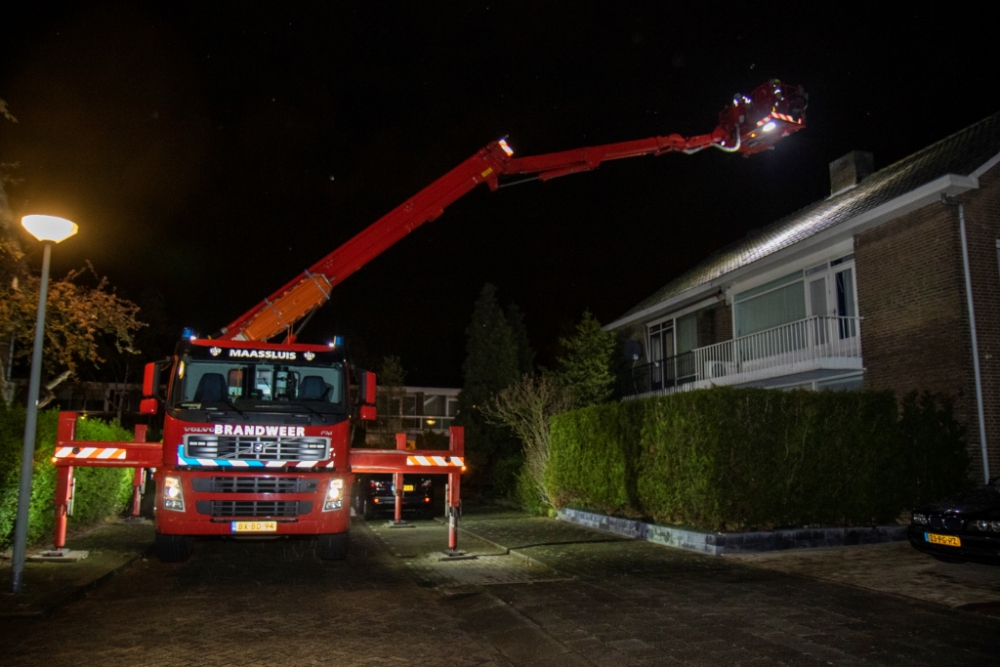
x=256, y=434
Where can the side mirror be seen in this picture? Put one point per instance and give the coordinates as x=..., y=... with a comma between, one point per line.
x=366, y=396
x=366, y=391
x=150, y=403
x=151, y=380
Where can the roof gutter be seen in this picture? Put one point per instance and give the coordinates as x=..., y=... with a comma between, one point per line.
x=949, y=184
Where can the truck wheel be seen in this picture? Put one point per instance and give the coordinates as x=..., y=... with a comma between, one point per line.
x=333, y=547
x=174, y=548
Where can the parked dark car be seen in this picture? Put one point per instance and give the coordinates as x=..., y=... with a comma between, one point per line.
x=374, y=496
x=965, y=527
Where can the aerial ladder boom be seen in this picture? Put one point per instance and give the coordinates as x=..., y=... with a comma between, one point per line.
x=749, y=125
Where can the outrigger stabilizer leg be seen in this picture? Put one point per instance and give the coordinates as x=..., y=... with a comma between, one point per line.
x=453, y=500
x=397, y=485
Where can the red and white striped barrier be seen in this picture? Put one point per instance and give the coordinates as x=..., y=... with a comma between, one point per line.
x=112, y=453
x=435, y=461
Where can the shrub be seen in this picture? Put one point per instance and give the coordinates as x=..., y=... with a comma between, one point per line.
x=935, y=443
x=594, y=456
x=100, y=492
x=732, y=459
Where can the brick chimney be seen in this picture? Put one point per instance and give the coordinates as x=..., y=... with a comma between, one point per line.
x=848, y=171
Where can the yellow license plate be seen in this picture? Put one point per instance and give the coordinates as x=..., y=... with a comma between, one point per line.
x=255, y=526
x=407, y=487
x=947, y=540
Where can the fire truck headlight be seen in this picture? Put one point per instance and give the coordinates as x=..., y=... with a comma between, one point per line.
x=334, y=495
x=173, y=495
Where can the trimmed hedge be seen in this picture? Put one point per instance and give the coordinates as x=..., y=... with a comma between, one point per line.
x=100, y=492
x=594, y=456
x=735, y=459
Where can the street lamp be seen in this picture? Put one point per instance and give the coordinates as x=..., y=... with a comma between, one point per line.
x=49, y=230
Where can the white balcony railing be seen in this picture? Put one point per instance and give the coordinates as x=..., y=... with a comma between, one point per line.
x=803, y=345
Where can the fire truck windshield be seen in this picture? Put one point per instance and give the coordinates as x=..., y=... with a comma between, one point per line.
x=245, y=385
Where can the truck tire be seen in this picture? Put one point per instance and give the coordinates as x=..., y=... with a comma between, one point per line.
x=174, y=548
x=333, y=546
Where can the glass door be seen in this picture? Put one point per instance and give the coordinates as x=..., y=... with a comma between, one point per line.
x=661, y=355
x=846, y=301
x=818, y=309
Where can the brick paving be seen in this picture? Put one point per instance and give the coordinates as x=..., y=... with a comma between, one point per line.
x=636, y=603
x=895, y=568
x=254, y=603
x=566, y=596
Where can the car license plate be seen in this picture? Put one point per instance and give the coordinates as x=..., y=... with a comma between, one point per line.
x=947, y=540
x=407, y=487
x=255, y=526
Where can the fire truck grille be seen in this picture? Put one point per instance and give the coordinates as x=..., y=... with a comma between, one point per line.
x=254, y=485
x=256, y=448
x=253, y=508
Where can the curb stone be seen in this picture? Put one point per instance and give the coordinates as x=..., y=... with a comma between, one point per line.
x=717, y=544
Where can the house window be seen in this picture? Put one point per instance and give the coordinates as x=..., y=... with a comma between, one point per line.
x=770, y=305
x=670, y=344
x=687, y=333
x=687, y=340
x=661, y=354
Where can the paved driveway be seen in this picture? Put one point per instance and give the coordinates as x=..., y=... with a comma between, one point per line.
x=895, y=568
x=565, y=596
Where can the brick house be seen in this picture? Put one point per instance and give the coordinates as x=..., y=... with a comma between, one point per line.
x=892, y=282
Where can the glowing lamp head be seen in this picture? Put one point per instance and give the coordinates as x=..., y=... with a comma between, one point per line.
x=49, y=227
x=769, y=126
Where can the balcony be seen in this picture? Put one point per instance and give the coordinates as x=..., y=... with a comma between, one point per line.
x=802, y=351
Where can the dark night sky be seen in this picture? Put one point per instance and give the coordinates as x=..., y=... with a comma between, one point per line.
x=212, y=151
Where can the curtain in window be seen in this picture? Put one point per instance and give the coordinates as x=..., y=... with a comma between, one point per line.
x=780, y=306
x=687, y=333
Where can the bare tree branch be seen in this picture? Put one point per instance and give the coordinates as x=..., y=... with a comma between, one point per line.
x=527, y=408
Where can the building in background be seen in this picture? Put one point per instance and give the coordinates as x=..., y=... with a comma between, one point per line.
x=876, y=286
x=417, y=411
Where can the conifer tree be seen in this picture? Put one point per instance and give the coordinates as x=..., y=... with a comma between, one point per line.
x=491, y=365
x=525, y=355
x=587, y=366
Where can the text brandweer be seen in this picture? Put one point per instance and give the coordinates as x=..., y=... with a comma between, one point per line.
x=280, y=431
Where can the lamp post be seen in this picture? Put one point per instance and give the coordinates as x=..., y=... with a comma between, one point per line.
x=49, y=230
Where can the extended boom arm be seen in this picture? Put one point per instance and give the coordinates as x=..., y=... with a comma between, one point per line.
x=751, y=124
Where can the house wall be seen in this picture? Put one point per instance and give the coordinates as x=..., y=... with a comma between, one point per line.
x=911, y=294
x=715, y=324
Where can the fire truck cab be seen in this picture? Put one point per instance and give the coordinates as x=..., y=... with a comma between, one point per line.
x=255, y=439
